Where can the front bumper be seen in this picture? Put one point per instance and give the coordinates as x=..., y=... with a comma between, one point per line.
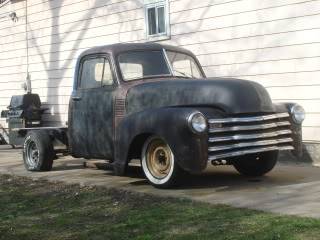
x=237, y=136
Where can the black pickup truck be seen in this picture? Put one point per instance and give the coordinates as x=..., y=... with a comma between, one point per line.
x=153, y=102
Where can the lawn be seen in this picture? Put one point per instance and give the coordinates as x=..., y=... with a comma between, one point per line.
x=43, y=210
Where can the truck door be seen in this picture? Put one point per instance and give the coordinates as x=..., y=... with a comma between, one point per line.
x=91, y=127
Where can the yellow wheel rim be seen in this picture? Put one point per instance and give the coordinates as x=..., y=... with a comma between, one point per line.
x=159, y=158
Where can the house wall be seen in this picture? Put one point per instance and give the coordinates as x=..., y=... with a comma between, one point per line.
x=275, y=43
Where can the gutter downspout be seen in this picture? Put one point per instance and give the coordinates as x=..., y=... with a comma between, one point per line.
x=28, y=77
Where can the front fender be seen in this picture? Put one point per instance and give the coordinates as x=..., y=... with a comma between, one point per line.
x=296, y=129
x=189, y=149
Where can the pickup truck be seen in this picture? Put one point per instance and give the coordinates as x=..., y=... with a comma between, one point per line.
x=153, y=102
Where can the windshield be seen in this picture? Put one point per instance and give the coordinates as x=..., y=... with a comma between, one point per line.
x=145, y=64
x=183, y=65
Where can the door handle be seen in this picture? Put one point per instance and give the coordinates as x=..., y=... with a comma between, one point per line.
x=75, y=98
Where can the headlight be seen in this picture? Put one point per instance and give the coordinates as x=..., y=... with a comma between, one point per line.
x=197, y=122
x=297, y=113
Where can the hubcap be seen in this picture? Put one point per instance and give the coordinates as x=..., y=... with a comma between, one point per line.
x=32, y=154
x=159, y=158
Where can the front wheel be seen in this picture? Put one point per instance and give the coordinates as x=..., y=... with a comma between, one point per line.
x=256, y=164
x=38, y=152
x=158, y=163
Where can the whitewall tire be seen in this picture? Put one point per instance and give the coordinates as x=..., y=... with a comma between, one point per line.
x=158, y=163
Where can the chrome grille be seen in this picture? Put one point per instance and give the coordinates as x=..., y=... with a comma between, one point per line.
x=236, y=136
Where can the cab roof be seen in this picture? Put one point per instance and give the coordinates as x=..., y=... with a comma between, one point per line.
x=115, y=49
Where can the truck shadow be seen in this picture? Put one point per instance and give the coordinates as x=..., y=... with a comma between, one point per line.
x=220, y=178
x=66, y=167
x=222, y=181
x=226, y=178
x=72, y=164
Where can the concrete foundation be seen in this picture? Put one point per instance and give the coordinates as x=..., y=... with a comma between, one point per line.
x=311, y=155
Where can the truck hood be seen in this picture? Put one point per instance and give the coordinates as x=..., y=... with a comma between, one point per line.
x=231, y=95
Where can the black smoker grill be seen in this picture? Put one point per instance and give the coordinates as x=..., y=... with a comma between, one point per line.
x=24, y=111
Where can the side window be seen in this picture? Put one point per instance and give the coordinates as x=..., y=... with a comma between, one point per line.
x=96, y=72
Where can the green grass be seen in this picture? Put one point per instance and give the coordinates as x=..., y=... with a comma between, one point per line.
x=42, y=210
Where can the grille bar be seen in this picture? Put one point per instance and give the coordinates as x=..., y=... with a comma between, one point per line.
x=249, y=136
x=249, y=151
x=249, y=119
x=236, y=136
x=250, y=127
x=250, y=144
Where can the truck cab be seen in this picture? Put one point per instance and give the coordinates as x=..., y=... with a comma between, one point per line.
x=154, y=102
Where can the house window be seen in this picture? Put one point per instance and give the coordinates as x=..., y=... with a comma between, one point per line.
x=157, y=19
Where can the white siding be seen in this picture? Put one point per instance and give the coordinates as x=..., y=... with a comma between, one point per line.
x=11, y=31
x=58, y=31
x=275, y=43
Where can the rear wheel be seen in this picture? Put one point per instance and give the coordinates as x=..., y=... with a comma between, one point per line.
x=38, y=152
x=256, y=164
x=158, y=163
